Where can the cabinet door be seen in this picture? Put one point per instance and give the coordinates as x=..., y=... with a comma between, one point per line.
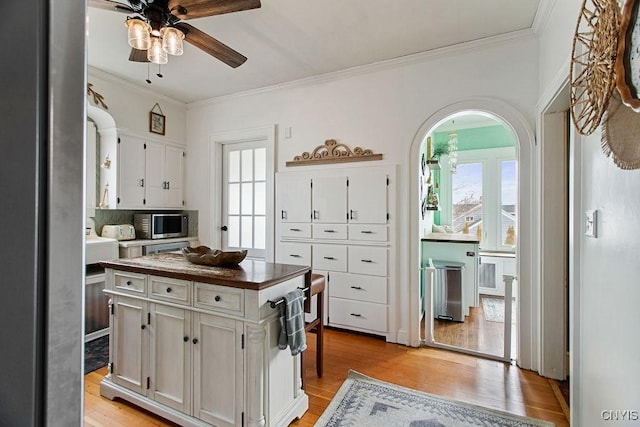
x=170, y=356
x=368, y=198
x=130, y=340
x=217, y=370
x=173, y=176
x=294, y=195
x=155, y=182
x=329, y=199
x=131, y=171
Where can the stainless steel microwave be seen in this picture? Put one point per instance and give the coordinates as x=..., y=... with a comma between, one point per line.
x=160, y=225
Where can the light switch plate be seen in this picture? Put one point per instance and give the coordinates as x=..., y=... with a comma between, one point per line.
x=591, y=223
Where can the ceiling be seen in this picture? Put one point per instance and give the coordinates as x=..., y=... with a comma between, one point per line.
x=288, y=40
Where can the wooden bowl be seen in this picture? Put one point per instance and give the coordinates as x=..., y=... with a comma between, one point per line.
x=203, y=255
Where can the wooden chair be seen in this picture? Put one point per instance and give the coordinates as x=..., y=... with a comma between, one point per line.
x=317, y=288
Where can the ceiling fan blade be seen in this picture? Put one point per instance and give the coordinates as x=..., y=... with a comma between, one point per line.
x=137, y=55
x=211, y=46
x=111, y=5
x=189, y=9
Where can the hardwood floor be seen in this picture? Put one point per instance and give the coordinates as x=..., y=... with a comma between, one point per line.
x=457, y=376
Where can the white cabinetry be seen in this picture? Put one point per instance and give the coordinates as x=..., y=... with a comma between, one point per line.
x=177, y=348
x=345, y=228
x=145, y=173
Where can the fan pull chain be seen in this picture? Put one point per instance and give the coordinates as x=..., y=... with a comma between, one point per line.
x=159, y=71
x=148, y=80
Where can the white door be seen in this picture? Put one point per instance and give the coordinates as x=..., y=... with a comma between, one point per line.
x=329, y=199
x=131, y=173
x=217, y=370
x=368, y=198
x=173, y=173
x=130, y=344
x=244, y=197
x=170, y=356
x=294, y=196
x=154, y=161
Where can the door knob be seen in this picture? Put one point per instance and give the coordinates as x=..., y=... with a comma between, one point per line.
x=224, y=228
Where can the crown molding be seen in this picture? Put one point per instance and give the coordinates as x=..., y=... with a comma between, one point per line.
x=542, y=16
x=92, y=71
x=430, y=55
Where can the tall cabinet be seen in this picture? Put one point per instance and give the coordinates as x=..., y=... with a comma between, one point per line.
x=342, y=223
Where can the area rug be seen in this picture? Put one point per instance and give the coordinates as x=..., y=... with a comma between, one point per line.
x=364, y=401
x=493, y=309
x=96, y=354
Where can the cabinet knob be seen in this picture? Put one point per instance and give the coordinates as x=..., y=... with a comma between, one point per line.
x=169, y=290
x=195, y=341
x=217, y=298
x=129, y=283
x=143, y=327
x=185, y=339
x=224, y=228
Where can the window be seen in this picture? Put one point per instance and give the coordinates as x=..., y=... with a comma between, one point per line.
x=482, y=197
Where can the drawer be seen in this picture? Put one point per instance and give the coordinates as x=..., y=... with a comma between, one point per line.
x=368, y=233
x=368, y=260
x=356, y=314
x=295, y=229
x=330, y=231
x=294, y=253
x=218, y=298
x=172, y=290
x=358, y=287
x=329, y=257
x=130, y=283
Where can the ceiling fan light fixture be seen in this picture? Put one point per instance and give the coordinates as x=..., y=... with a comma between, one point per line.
x=155, y=53
x=172, y=40
x=138, y=34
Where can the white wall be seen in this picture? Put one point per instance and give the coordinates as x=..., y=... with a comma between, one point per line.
x=381, y=110
x=130, y=105
x=605, y=295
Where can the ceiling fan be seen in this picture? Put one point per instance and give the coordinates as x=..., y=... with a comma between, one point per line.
x=156, y=27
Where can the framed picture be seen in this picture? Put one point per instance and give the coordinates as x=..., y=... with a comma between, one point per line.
x=627, y=66
x=156, y=123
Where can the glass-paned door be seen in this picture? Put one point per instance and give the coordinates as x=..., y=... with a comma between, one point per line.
x=244, y=195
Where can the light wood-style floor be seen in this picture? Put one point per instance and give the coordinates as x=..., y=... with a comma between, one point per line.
x=456, y=376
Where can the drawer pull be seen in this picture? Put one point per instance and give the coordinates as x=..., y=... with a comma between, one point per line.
x=316, y=214
x=329, y=231
x=359, y=288
x=295, y=255
x=351, y=214
x=169, y=290
x=367, y=232
x=356, y=315
x=142, y=326
x=217, y=298
x=366, y=260
x=129, y=283
x=295, y=229
x=195, y=341
x=329, y=257
x=185, y=339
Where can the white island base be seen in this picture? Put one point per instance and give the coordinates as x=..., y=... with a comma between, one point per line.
x=200, y=347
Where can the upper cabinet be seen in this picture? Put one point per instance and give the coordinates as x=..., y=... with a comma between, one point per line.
x=367, y=194
x=295, y=202
x=329, y=199
x=148, y=174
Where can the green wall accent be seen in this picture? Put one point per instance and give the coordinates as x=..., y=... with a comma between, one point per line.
x=477, y=138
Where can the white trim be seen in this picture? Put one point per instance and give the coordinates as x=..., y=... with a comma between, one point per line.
x=120, y=81
x=541, y=20
x=449, y=51
x=526, y=253
x=216, y=141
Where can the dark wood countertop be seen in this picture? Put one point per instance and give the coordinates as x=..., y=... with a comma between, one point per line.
x=249, y=274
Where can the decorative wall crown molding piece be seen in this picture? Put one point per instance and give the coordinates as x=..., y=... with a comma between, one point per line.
x=333, y=151
x=97, y=98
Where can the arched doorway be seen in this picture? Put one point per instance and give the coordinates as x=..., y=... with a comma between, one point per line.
x=525, y=247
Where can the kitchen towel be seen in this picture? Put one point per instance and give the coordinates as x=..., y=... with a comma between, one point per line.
x=292, y=332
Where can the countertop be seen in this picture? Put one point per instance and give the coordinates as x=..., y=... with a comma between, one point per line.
x=450, y=237
x=249, y=274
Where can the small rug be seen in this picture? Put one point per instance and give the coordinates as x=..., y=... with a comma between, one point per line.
x=96, y=354
x=364, y=401
x=493, y=309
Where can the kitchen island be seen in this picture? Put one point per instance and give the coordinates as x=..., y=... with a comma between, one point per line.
x=198, y=345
